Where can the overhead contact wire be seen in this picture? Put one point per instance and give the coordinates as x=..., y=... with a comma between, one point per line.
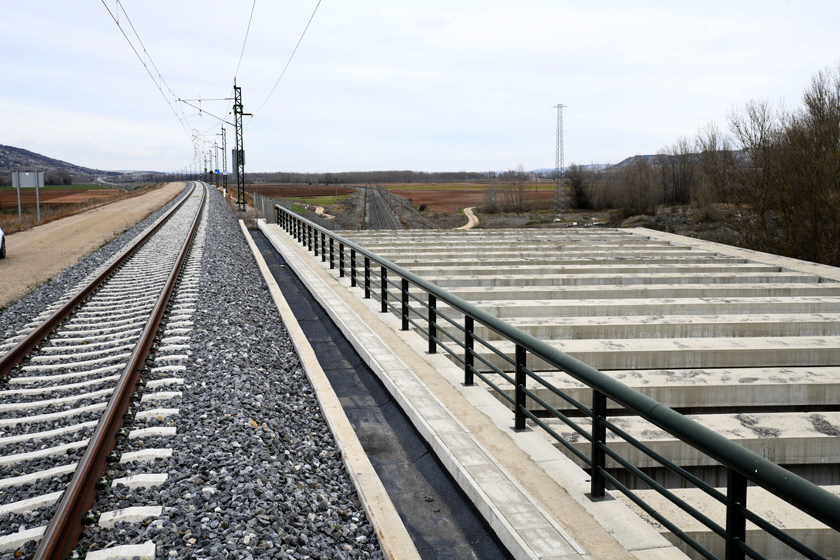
x=290, y=58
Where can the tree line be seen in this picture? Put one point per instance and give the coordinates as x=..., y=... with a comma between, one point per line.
x=777, y=167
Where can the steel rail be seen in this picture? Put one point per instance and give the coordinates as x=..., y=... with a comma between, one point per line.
x=63, y=532
x=806, y=496
x=34, y=338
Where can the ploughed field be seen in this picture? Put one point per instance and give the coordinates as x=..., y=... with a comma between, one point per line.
x=448, y=198
x=8, y=197
x=299, y=191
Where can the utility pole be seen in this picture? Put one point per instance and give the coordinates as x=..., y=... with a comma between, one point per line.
x=493, y=195
x=559, y=198
x=216, y=167
x=239, y=151
x=224, y=157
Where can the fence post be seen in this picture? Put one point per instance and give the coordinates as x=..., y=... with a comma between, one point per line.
x=736, y=524
x=332, y=255
x=324, y=246
x=599, y=436
x=309, y=236
x=519, y=415
x=341, y=261
x=315, y=233
x=352, y=268
x=432, y=323
x=404, y=294
x=469, y=359
x=383, y=289
x=367, y=277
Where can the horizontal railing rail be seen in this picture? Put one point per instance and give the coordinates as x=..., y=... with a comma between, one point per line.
x=742, y=465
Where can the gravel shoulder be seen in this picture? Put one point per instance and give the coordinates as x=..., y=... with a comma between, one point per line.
x=35, y=255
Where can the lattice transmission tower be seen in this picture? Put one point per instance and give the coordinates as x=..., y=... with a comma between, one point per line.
x=559, y=167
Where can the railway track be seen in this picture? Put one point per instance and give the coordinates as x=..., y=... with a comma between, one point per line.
x=79, y=380
x=379, y=213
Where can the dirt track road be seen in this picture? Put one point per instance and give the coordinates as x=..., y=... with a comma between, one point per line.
x=34, y=255
x=472, y=219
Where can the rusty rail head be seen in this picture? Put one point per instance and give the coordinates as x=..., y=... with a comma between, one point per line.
x=63, y=532
x=34, y=338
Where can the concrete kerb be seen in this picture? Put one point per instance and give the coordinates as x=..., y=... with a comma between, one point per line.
x=394, y=539
x=631, y=532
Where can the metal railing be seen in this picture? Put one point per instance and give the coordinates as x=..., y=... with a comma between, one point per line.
x=742, y=465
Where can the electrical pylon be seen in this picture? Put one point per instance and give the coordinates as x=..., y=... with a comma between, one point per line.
x=559, y=194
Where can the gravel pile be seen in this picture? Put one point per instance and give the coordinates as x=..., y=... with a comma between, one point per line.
x=27, y=309
x=255, y=472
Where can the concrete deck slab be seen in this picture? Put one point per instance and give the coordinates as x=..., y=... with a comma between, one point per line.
x=624, y=302
x=435, y=374
x=670, y=326
x=705, y=388
x=779, y=300
x=804, y=528
x=784, y=438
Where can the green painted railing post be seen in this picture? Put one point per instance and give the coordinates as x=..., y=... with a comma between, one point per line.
x=469, y=341
x=383, y=289
x=521, y=381
x=432, y=324
x=599, y=437
x=736, y=524
x=404, y=294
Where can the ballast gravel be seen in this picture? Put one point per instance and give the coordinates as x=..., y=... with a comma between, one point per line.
x=255, y=472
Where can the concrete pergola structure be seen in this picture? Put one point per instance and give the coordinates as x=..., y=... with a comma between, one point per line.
x=747, y=344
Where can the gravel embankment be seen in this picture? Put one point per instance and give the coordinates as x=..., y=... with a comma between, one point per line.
x=255, y=472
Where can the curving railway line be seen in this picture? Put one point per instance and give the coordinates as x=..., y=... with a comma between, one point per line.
x=79, y=382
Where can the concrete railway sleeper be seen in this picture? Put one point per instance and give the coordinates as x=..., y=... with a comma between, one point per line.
x=76, y=384
x=513, y=368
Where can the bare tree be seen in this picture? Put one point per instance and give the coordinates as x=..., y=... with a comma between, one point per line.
x=58, y=177
x=635, y=188
x=516, y=196
x=756, y=133
x=580, y=186
x=716, y=162
x=677, y=166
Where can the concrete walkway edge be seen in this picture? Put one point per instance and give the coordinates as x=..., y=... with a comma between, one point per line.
x=393, y=537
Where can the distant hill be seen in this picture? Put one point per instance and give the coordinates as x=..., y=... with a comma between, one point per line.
x=18, y=159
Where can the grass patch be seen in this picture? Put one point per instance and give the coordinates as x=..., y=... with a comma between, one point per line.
x=298, y=209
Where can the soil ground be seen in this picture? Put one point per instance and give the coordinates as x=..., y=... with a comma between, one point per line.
x=8, y=198
x=451, y=200
x=36, y=255
x=297, y=190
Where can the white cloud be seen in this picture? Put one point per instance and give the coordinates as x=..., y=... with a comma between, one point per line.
x=433, y=85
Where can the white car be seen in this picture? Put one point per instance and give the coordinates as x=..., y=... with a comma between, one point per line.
x=2, y=245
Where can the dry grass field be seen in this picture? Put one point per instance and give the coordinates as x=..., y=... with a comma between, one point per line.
x=56, y=203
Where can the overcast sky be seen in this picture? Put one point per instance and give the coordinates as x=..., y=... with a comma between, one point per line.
x=426, y=85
